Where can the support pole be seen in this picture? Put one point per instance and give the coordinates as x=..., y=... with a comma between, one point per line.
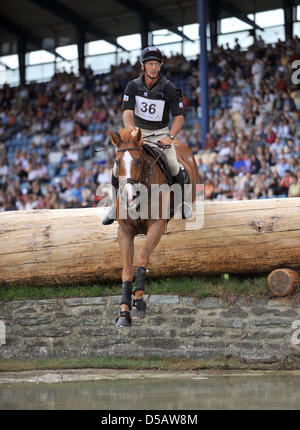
x=203, y=70
x=288, y=19
x=144, y=30
x=212, y=18
x=21, y=44
x=80, y=47
x=213, y=34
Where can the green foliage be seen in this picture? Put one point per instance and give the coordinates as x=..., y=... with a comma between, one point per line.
x=196, y=286
x=148, y=363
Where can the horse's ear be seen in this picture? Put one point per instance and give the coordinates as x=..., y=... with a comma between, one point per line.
x=115, y=138
x=139, y=137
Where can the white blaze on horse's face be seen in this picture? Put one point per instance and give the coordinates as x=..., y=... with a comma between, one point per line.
x=127, y=162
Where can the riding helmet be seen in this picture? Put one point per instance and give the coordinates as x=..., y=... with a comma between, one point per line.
x=151, y=53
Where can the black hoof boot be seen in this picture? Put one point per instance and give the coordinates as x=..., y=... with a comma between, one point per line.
x=138, y=309
x=124, y=320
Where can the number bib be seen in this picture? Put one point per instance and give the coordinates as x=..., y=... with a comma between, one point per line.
x=148, y=109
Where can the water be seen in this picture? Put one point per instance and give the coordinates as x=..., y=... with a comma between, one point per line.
x=198, y=392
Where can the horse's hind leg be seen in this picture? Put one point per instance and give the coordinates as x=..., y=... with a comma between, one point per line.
x=153, y=237
x=127, y=250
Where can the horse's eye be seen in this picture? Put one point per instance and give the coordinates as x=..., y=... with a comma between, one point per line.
x=118, y=163
x=137, y=161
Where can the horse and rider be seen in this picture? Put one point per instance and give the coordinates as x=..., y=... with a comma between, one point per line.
x=147, y=103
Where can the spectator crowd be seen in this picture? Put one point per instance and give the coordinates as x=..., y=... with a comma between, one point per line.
x=49, y=131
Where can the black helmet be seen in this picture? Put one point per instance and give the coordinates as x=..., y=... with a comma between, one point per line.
x=151, y=53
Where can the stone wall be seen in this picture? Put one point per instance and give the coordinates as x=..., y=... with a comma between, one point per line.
x=260, y=330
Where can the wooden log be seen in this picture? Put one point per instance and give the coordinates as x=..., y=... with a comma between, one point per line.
x=71, y=245
x=282, y=282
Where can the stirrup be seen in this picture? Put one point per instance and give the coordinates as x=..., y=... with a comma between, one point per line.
x=186, y=211
x=110, y=217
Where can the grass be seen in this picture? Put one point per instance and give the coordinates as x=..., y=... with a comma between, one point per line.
x=196, y=286
x=148, y=363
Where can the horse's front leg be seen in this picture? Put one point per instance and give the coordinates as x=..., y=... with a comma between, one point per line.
x=155, y=231
x=126, y=238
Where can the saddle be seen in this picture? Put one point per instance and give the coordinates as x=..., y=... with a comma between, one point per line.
x=158, y=155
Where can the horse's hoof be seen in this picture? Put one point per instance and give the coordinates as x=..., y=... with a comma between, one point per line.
x=135, y=313
x=124, y=320
x=138, y=309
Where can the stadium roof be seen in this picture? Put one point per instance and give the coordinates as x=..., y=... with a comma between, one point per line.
x=45, y=24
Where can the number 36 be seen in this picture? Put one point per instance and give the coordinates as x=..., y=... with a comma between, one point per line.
x=151, y=108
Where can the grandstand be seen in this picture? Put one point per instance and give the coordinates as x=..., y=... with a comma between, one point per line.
x=50, y=128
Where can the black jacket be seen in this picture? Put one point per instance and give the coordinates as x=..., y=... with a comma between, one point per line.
x=152, y=107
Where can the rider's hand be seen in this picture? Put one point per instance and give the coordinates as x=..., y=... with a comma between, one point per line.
x=166, y=140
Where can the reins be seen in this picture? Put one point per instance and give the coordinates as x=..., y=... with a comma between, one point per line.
x=162, y=146
x=150, y=166
x=113, y=146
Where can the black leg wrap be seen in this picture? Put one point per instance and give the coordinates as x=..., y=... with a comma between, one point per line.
x=126, y=293
x=140, y=279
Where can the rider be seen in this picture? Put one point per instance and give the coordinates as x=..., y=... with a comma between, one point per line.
x=147, y=103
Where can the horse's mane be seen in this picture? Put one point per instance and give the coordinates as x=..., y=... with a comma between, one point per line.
x=125, y=133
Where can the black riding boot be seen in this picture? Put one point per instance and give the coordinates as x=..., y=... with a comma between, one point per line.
x=185, y=207
x=111, y=216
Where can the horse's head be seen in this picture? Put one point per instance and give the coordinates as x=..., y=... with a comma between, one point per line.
x=130, y=160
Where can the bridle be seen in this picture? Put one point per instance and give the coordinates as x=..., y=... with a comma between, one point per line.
x=132, y=180
x=145, y=180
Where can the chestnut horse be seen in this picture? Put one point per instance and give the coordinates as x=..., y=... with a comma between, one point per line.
x=136, y=167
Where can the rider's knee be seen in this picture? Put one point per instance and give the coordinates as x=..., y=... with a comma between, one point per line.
x=174, y=167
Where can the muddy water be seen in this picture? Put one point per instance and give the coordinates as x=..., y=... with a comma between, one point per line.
x=193, y=391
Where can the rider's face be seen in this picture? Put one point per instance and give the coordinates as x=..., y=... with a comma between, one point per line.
x=152, y=68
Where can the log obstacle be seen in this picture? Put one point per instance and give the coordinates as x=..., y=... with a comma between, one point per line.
x=71, y=245
x=282, y=282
